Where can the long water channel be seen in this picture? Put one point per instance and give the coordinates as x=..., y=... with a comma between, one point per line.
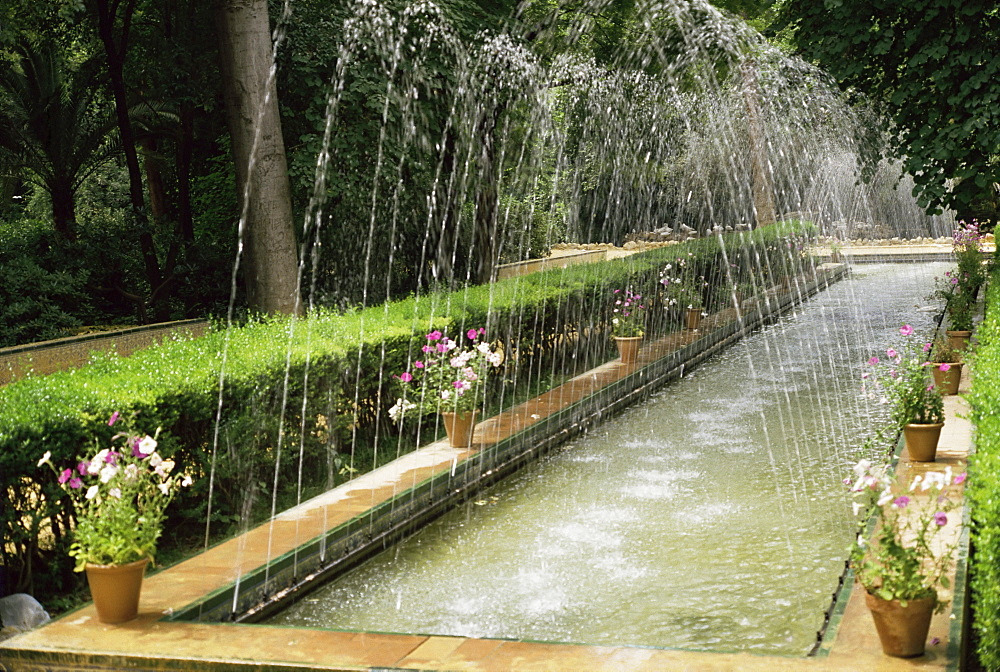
x=710, y=517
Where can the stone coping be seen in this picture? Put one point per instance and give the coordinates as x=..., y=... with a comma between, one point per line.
x=153, y=641
x=45, y=357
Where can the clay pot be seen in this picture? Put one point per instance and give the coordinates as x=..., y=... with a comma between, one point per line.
x=115, y=590
x=902, y=630
x=922, y=440
x=459, y=427
x=628, y=348
x=692, y=319
x=959, y=340
x=946, y=382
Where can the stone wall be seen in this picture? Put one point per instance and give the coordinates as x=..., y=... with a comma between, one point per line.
x=46, y=357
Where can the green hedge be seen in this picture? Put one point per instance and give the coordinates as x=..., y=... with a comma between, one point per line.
x=984, y=484
x=332, y=409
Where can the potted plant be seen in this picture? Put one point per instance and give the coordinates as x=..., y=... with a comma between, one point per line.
x=903, y=379
x=684, y=293
x=628, y=322
x=959, y=300
x=120, y=495
x=908, y=558
x=967, y=245
x=946, y=366
x=449, y=380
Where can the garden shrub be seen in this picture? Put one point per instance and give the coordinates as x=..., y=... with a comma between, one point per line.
x=304, y=398
x=984, y=482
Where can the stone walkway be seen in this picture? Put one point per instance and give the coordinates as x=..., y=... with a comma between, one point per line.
x=152, y=642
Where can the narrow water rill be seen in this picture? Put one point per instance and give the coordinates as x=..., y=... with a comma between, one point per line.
x=710, y=517
x=488, y=197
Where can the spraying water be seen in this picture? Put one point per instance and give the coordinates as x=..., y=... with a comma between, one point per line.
x=698, y=127
x=710, y=517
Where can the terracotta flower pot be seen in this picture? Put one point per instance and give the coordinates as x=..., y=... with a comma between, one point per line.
x=902, y=630
x=115, y=590
x=946, y=382
x=628, y=348
x=459, y=427
x=922, y=440
x=959, y=340
x=692, y=319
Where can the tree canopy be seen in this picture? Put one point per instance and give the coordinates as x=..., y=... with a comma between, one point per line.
x=931, y=68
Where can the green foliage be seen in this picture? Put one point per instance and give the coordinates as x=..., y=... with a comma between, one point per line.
x=984, y=488
x=931, y=68
x=531, y=229
x=54, y=122
x=42, y=290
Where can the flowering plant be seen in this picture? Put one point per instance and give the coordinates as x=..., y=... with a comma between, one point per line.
x=967, y=244
x=120, y=495
x=448, y=378
x=958, y=295
x=943, y=353
x=680, y=290
x=906, y=559
x=628, y=319
x=904, y=380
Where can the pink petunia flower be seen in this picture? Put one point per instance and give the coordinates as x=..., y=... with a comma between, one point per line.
x=944, y=367
x=113, y=419
x=405, y=376
x=906, y=330
x=941, y=518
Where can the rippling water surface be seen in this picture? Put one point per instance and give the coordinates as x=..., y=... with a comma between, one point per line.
x=710, y=517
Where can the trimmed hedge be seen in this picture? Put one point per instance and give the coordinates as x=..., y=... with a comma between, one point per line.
x=302, y=398
x=984, y=482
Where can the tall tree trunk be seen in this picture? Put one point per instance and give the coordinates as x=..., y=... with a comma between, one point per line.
x=246, y=61
x=115, y=49
x=63, y=208
x=762, y=184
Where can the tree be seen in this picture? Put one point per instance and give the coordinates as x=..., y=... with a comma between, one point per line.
x=250, y=91
x=52, y=131
x=932, y=67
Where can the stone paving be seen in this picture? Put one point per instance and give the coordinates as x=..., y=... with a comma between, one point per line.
x=77, y=641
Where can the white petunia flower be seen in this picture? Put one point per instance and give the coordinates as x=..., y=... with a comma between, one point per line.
x=147, y=445
x=108, y=472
